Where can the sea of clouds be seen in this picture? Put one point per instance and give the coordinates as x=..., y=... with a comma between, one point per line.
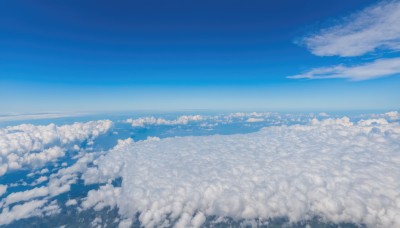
x=333, y=169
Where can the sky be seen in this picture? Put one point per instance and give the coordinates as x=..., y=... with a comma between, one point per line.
x=83, y=56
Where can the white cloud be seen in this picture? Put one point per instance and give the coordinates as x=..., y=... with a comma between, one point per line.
x=30, y=145
x=3, y=189
x=21, y=211
x=36, y=198
x=376, y=27
x=206, y=120
x=26, y=195
x=394, y=115
x=71, y=202
x=107, y=195
x=40, y=180
x=27, y=210
x=182, y=120
x=254, y=120
x=370, y=122
x=51, y=209
x=333, y=168
x=19, y=117
x=376, y=69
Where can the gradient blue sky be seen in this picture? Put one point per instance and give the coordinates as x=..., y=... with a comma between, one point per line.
x=74, y=56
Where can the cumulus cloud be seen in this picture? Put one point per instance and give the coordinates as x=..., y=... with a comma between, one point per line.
x=26, y=195
x=333, y=168
x=21, y=211
x=376, y=27
x=377, y=69
x=71, y=202
x=393, y=115
x=30, y=145
x=36, y=199
x=3, y=189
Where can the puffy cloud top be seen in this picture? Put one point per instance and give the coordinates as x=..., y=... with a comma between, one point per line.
x=334, y=169
x=32, y=145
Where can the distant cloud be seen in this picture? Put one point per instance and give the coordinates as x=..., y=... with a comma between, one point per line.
x=254, y=120
x=377, y=69
x=376, y=27
x=182, y=120
x=209, y=120
x=19, y=117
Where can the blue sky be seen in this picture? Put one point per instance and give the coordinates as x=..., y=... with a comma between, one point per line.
x=72, y=56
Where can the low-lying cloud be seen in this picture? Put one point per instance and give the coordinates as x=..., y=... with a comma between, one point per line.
x=30, y=145
x=333, y=169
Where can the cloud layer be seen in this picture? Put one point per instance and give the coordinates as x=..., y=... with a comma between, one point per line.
x=333, y=169
x=376, y=27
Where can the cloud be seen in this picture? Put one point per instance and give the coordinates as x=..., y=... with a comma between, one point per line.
x=36, y=199
x=206, y=120
x=30, y=145
x=374, y=28
x=334, y=169
x=16, y=117
x=21, y=211
x=393, y=115
x=26, y=195
x=3, y=189
x=71, y=202
x=376, y=69
x=254, y=120
x=182, y=120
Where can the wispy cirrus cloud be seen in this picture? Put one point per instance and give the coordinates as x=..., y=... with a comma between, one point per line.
x=376, y=27
x=376, y=69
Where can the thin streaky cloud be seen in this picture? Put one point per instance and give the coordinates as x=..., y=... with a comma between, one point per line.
x=376, y=69
x=374, y=28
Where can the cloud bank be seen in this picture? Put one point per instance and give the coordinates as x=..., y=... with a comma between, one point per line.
x=333, y=169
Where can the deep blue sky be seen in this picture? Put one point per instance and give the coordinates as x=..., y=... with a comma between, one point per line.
x=127, y=55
